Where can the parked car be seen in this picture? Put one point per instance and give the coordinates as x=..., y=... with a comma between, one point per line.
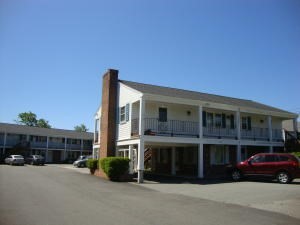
x=282, y=166
x=14, y=160
x=81, y=161
x=35, y=160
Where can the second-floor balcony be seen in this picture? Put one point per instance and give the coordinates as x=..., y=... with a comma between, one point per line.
x=173, y=128
x=56, y=145
x=34, y=144
x=178, y=128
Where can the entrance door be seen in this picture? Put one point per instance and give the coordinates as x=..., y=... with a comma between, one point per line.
x=56, y=156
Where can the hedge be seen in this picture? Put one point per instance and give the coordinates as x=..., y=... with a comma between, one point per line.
x=92, y=164
x=114, y=167
x=296, y=154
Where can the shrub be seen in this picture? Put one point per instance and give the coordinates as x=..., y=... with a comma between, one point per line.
x=92, y=164
x=114, y=167
x=296, y=154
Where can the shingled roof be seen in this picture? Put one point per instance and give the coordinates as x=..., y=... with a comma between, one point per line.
x=193, y=95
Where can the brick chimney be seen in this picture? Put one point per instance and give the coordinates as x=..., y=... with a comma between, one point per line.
x=108, y=114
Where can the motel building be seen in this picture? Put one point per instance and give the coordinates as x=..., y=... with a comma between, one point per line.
x=182, y=133
x=56, y=145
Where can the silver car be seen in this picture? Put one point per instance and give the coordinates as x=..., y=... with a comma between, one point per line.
x=14, y=160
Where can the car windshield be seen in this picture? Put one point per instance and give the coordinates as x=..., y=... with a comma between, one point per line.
x=18, y=157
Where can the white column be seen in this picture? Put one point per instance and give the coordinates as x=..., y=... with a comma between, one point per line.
x=46, y=154
x=173, y=161
x=130, y=155
x=4, y=144
x=141, y=147
x=200, y=161
x=141, y=117
x=200, y=122
x=270, y=128
x=270, y=149
x=65, y=151
x=81, y=147
x=238, y=124
x=140, y=166
x=238, y=153
x=295, y=125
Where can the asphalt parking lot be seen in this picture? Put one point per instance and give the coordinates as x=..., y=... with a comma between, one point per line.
x=258, y=194
x=62, y=194
x=265, y=195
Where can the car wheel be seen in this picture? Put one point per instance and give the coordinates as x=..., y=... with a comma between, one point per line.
x=236, y=175
x=283, y=177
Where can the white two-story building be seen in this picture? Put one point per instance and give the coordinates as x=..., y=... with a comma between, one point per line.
x=179, y=132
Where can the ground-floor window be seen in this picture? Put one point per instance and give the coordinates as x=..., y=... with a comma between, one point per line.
x=219, y=155
x=123, y=153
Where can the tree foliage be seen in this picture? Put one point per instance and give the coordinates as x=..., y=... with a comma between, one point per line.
x=30, y=119
x=81, y=128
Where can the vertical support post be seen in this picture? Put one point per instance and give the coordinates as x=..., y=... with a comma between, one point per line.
x=200, y=122
x=295, y=125
x=200, y=161
x=140, y=166
x=173, y=161
x=81, y=146
x=141, y=145
x=238, y=153
x=4, y=144
x=46, y=154
x=238, y=124
x=130, y=155
x=65, y=151
x=270, y=133
x=270, y=128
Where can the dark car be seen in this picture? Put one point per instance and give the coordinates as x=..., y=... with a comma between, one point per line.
x=282, y=166
x=35, y=160
x=81, y=161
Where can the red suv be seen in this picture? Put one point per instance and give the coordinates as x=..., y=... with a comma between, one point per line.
x=282, y=166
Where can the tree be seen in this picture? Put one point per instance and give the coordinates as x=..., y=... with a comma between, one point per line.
x=81, y=128
x=27, y=118
x=30, y=119
x=43, y=123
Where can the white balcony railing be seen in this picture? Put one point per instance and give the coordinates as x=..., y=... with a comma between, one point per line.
x=191, y=129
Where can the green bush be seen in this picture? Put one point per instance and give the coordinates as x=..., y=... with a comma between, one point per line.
x=296, y=154
x=92, y=164
x=114, y=167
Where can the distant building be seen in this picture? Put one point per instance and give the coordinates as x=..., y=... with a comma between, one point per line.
x=56, y=145
x=180, y=132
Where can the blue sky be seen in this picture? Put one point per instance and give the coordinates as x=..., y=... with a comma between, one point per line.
x=53, y=53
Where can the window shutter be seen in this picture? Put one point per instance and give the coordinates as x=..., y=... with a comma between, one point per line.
x=223, y=121
x=232, y=121
x=204, y=118
x=249, y=122
x=127, y=112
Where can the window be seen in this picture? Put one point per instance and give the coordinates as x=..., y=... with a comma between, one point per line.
x=162, y=113
x=209, y=119
x=258, y=159
x=218, y=120
x=246, y=123
x=219, y=155
x=122, y=114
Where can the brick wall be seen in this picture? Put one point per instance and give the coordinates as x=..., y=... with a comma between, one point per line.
x=108, y=114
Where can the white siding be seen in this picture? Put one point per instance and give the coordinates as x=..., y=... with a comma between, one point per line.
x=175, y=112
x=126, y=95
